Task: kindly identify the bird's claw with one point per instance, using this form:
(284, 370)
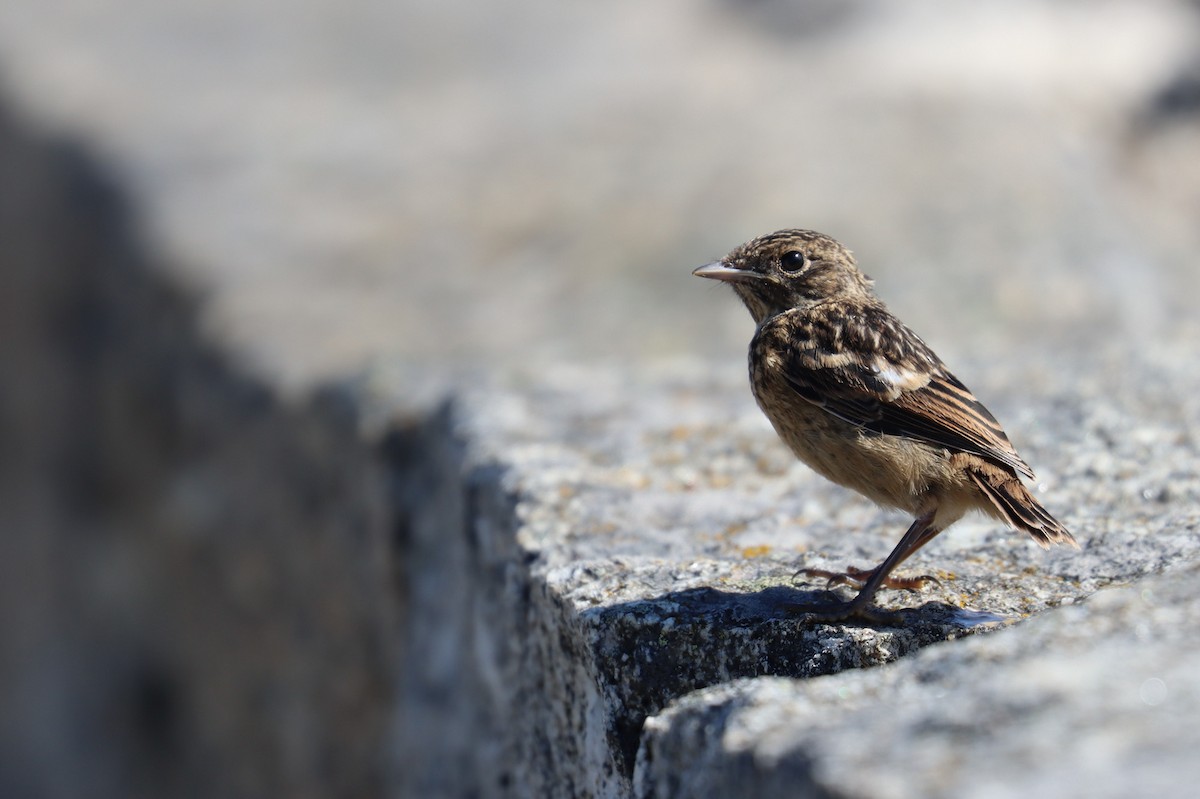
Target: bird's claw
(857, 578)
(845, 611)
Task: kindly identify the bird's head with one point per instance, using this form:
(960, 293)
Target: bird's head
(789, 269)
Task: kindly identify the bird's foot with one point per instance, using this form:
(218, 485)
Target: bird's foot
(857, 578)
(845, 611)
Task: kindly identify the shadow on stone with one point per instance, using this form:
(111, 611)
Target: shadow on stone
(653, 651)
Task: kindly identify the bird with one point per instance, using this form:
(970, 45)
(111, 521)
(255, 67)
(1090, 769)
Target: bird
(863, 401)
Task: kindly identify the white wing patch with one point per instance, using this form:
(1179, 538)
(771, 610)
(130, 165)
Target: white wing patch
(897, 378)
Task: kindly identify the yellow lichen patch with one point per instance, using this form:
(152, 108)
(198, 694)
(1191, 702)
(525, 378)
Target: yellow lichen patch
(632, 478)
(680, 433)
(755, 552)
(735, 528)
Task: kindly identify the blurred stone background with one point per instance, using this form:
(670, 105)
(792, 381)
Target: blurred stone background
(533, 180)
(196, 595)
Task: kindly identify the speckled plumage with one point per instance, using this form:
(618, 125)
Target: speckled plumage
(866, 403)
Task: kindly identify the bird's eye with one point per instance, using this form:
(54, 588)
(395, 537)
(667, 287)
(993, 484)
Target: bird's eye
(792, 261)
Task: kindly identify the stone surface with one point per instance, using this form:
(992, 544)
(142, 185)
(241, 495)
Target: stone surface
(356, 180)
(638, 532)
(199, 597)
(1094, 700)
(210, 590)
(194, 599)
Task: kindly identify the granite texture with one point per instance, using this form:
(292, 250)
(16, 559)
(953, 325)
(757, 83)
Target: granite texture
(529, 574)
(652, 525)
(1094, 700)
(194, 592)
(345, 178)
(524, 517)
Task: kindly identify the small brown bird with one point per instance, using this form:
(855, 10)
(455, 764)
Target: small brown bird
(862, 400)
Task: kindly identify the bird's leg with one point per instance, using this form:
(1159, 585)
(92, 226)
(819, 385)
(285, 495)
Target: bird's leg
(858, 578)
(920, 533)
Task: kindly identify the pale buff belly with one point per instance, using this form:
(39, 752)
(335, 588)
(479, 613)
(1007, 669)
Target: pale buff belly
(890, 470)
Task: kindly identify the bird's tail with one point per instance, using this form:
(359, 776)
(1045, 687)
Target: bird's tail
(1019, 508)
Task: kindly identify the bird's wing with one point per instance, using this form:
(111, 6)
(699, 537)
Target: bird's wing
(872, 371)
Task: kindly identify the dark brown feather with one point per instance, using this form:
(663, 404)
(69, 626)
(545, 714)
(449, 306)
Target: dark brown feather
(870, 370)
(1020, 509)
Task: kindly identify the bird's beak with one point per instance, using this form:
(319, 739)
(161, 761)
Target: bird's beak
(719, 270)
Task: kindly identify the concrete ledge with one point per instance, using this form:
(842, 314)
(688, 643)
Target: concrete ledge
(1095, 700)
(194, 593)
(206, 590)
(625, 538)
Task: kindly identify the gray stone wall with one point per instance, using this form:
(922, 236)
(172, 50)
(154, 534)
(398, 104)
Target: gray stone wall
(195, 596)
(568, 581)
(652, 526)
(452, 485)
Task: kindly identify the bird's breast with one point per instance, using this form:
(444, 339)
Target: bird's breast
(889, 470)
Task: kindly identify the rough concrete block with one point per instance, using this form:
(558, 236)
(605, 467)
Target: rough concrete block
(622, 538)
(193, 592)
(1094, 700)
